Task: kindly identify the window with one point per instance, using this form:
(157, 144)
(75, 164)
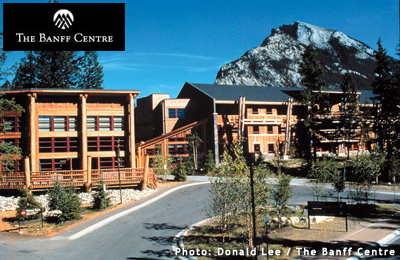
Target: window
(176, 113)
(257, 148)
(60, 123)
(92, 123)
(72, 123)
(255, 111)
(57, 164)
(57, 123)
(256, 129)
(44, 123)
(104, 123)
(11, 124)
(58, 144)
(118, 123)
(270, 129)
(271, 148)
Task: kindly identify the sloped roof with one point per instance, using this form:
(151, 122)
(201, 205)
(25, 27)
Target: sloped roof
(252, 93)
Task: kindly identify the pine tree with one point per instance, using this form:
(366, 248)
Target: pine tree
(386, 112)
(349, 113)
(8, 151)
(70, 205)
(91, 72)
(59, 69)
(209, 164)
(101, 199)
(315, 101)
(56, 195)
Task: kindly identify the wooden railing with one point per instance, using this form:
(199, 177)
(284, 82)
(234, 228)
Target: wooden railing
(12, 180)
(111, 176)
(46, 179)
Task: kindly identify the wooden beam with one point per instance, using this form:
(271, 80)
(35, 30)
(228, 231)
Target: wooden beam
(132, 131)
(34, 140)
(83, 116)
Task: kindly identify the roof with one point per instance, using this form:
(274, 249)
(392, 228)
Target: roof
(71, 91)
(252, 93)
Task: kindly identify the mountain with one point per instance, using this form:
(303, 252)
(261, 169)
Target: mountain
(277, 61)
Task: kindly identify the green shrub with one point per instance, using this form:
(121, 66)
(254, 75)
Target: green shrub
(209, 164)
(70, 205)
(56, 195)
(27, 201)
(180, 172)
(101, 198)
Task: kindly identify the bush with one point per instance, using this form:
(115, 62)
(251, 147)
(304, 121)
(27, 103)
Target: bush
(180, 172)
(56, 195)
(209, 165)
(101, 197)
(27, 201)
(70, 205)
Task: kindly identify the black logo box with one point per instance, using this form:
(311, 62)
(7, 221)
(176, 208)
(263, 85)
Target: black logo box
(100, 19)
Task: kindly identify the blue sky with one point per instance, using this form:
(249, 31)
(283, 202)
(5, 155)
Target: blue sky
(171, 42)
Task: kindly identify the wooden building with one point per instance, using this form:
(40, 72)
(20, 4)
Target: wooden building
(74, 134)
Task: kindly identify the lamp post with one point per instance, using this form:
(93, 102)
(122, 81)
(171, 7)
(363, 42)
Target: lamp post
(119, 173)
(251, 157)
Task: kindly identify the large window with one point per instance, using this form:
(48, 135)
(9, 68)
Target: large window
(58, 164)
(270, 129)
(256, 129)
(57, 123)
(176, 113)
(11, 123)
(105, 144)
(58, 144)
(105, 123)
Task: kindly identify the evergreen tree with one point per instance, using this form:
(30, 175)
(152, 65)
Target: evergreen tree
(91, 72)
(209, 164)
(59, 69)
(180, 172)
(8, 151)
(315, 101)
(349, 113)
(386, 112)
(56, 195)
(101, 198)
(70, 205)
(27, 201)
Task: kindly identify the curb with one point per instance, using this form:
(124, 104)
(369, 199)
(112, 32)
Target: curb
(177, 242)
(124, 213)
(389, 238)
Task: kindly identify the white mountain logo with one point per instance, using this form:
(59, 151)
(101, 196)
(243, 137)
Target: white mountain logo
(63, 18)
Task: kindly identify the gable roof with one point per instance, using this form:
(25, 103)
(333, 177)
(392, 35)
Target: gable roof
(252, 93)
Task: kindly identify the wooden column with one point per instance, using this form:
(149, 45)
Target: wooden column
(132, 152)
(83, 116)
(89, 174)
(33, 137)
(146, 173)
(27, 173)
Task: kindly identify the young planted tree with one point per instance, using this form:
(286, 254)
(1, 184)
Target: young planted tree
(159, 162)
(70, 205)
(101, 199)
(280, 194)
(315, 101)
(27, 201)
(209, 164)
(56, 195)
(194, 143)
(180, 172)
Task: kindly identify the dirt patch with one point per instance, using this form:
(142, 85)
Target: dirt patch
(168, 183)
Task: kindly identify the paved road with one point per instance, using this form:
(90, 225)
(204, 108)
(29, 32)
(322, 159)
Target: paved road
(144, 234)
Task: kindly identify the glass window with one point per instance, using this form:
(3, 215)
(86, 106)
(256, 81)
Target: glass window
(72, 123)
(180, 113)
(257, 148)
(44, 123)
(118, 123)
(91, 123)
(9, 124)
(45, 145)
(172, 113)
(60, 123)
(270, 129)
(104, 123)
(271, 148)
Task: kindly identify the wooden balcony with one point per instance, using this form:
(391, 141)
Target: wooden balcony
(80, 178)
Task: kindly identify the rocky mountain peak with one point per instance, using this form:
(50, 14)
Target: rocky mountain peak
(277, 60)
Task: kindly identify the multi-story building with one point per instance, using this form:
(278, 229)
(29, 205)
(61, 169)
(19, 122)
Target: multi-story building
(267, 118)
(75, 134)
